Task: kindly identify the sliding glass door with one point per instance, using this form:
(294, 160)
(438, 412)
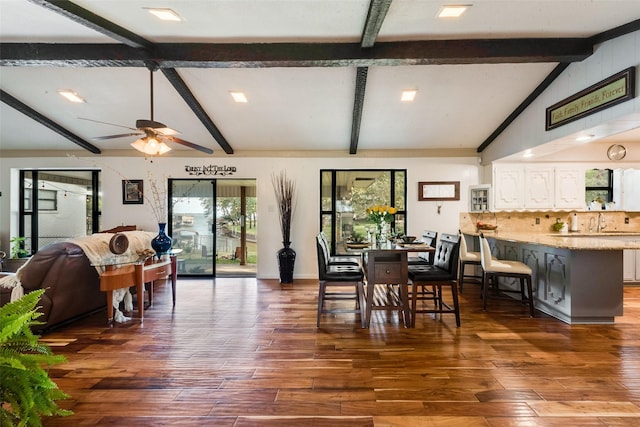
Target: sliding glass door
(213, 223)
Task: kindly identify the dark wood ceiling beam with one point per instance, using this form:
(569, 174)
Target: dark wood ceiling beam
(202, 55)
(358, 105)
(33, 114)
(89, 19)
(181, 87)
(377, 12)
(627, 28)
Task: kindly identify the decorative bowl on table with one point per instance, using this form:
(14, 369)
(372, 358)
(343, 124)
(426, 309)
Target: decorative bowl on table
(408, 239)
(357, 245)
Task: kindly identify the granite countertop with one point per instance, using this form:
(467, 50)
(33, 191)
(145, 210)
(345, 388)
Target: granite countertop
(578, 241)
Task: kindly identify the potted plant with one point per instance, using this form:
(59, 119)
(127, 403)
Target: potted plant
(285, 191)
(17, 248)
(27, 392)
(18, 254)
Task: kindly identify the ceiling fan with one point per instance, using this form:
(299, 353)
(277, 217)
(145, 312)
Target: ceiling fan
(153, 133)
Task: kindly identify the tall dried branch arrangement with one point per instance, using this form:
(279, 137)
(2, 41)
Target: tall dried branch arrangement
(285, 190)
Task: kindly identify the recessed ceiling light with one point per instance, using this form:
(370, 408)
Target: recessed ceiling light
(239, 97)
(164, 13)
(527, 153)
(452, 10)
(583, 138)
(408, 95)
(70, 95)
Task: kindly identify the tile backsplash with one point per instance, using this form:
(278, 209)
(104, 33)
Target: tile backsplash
(542, 221)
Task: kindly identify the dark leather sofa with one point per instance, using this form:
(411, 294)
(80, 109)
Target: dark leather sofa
(72, 285)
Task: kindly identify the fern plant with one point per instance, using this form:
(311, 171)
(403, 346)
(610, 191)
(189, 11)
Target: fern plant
(26, 391)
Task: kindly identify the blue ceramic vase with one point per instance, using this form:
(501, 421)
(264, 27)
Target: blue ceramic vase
(161, 243)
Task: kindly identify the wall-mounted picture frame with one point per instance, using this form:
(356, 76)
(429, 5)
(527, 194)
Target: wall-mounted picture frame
(132, 191)
(439, 190)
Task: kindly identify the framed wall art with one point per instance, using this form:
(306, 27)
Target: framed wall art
(439, 190)
(132, 192)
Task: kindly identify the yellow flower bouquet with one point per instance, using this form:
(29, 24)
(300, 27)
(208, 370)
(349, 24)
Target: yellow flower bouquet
(380, 214)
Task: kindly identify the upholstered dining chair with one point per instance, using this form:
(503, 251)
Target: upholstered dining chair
(493, 269)
(442, 273)
(335, 259)
(345, 276)
(429, 238)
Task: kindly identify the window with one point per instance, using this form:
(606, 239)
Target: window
(345, 196)
(599, 186)
(47, 200)
(57, 205)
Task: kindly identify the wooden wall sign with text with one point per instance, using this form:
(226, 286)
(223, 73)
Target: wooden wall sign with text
(611, 91)
(210, 170)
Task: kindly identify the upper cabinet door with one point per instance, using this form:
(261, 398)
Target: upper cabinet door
(570, 188)
(508, 186)
(539, 188)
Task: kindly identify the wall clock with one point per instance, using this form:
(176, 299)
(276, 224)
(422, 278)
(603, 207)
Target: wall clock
(616, 152)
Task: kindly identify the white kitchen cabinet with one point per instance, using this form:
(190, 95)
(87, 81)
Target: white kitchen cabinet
(508, 184)
(631, 265)
(570, 188)
(630, 190)
(539, 187)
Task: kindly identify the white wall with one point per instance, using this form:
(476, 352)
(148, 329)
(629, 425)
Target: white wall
(304, 171)
(528, 130)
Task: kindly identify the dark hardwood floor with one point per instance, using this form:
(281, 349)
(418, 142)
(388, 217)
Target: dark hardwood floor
(244, 352)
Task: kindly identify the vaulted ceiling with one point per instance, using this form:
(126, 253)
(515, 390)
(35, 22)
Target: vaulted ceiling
(322, 77)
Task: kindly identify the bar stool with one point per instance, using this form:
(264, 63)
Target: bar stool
(467, 258)
(493, 269)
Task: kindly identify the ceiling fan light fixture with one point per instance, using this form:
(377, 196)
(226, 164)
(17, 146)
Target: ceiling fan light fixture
(151, 146)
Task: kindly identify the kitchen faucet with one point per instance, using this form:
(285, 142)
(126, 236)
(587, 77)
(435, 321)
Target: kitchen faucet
(601, 222)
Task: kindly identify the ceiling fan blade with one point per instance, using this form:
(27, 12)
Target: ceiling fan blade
(106, 123)
(189, 144)
(158, 127)
(117, 136)
(167, 131)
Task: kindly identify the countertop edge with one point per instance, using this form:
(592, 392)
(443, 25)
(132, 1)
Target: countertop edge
(601, 241)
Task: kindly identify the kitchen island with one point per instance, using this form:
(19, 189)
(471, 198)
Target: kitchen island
(577, 278)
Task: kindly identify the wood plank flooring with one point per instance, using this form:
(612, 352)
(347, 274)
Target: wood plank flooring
(246, 352)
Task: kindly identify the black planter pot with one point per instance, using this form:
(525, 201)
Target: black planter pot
(286, 262)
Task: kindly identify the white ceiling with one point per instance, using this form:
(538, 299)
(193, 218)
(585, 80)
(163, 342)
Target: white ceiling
(290, 108)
